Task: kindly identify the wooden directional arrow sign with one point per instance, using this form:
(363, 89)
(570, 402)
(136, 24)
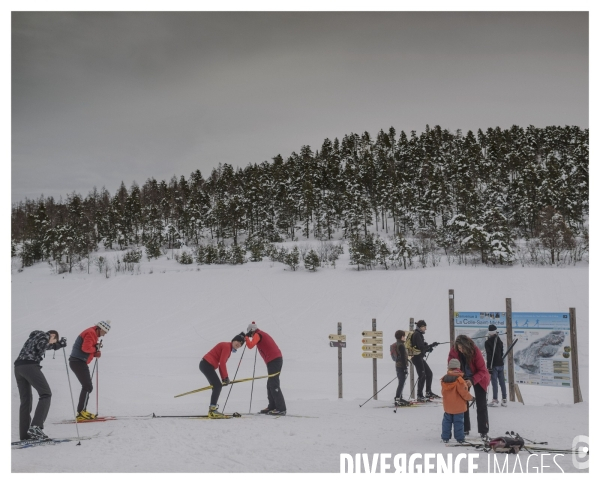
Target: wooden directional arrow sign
(373, 341)
(372, 348)
(337, 337)
(372, 355)
(373, 333)
(337, 344)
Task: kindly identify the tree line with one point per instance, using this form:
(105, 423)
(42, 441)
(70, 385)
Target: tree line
(467, 196)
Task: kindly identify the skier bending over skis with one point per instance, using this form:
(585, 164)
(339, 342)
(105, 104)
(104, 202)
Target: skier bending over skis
(85, 348)
(217, 358)
(28, 373)
(271, 354)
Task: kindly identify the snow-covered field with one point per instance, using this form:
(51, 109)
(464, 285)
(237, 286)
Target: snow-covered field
(166, 316)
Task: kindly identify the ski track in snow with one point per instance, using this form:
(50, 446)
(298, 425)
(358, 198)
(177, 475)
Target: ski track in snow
(164, 322)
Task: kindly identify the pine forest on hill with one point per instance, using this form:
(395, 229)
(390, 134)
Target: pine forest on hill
(497, 197)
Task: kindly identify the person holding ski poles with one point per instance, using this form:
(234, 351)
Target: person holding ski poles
(217, 359)
(271, 355)
(494, 349)
(85, 349)
(423, 371)
(28, 373)
(400, 356)
(477, 376)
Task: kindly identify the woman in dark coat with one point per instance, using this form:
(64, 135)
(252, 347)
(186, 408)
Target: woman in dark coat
(477, 376)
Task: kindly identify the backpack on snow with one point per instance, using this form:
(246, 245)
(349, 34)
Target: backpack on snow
(411, 350)
(507, 445)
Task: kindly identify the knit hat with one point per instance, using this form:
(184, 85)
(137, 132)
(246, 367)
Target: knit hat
(421, 323)
(239, 338)
(251, 327)
(491, 327)
(105, 325)
(454, 364)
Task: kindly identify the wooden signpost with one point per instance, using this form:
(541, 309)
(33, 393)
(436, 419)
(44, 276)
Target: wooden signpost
(373, 348)
(338, 341)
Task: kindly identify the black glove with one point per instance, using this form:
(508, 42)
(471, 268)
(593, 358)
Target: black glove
(242, 334)
(62, 342)
(430, 348)
(433, 345)
(225, 381)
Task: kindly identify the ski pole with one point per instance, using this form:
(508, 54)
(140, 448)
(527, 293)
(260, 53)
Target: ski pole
(510, 348)
(97, 386)
(236, 372)
(378, 391)
(252, 390)
(71, 392)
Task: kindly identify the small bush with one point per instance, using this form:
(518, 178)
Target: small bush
(132, 256)
(186, 258)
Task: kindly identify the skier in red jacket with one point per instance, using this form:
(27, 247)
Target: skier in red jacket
(85, 349)
(271, 353)
(217, 359)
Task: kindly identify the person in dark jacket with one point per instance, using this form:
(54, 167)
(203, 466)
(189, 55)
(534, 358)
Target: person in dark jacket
(271, 354)
(423, 371)
(477, 376)
(217, 359)
(400, 356)
(85, 349)
(494, 349)
(28, 373)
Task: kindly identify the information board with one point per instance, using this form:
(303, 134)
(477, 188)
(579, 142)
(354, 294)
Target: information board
(542, 355)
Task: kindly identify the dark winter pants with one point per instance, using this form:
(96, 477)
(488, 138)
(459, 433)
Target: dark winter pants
(211, 375)
(482, 411)
(276, 400)
(424, 373)
(82, 372)
(401, 379)
(31, 376)
(498, 375)
(459, 426)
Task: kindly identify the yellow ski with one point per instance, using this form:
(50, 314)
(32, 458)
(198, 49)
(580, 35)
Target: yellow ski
(231, 383)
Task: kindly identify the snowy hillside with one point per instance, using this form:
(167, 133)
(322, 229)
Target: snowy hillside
(166, 316)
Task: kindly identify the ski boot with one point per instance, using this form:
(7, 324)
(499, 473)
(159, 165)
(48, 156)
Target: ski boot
(214, 413)
(493, 403)
(265, 410)
(445, 441)
(504, 404)
(36, 433)
(432, 395)
(277, 413)
(484, 437)
(423, 399)
(400, 402)
(85, 415)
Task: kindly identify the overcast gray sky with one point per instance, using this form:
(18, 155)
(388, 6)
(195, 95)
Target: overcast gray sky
(100, 98)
